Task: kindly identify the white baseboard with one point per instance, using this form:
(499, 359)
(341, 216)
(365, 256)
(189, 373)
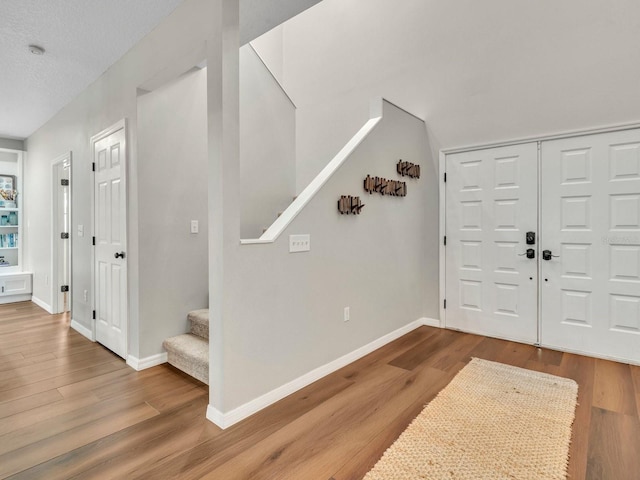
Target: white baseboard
(42, 304)
(146, 362)
(15, 299)
(225, 420)
(82, 330)
(430, 322)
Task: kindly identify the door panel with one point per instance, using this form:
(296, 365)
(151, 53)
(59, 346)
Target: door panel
(110, 233)
(590, 291)
(491, 204)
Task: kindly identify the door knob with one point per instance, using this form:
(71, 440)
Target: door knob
(119, 255)
(530, 253)
(546, 255)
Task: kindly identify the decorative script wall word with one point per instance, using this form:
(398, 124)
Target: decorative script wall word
(408, 169)
(348, 204)
(383, 186)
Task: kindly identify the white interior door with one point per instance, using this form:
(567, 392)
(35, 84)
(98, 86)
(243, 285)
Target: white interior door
(590, 290)
(110, 269)
(491, 203)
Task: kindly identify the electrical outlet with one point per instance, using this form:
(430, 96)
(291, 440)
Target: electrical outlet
(347, 313)
(194, 226)
(299, 243)
(81, 230)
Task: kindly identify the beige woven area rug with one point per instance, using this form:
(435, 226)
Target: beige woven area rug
(493, 421)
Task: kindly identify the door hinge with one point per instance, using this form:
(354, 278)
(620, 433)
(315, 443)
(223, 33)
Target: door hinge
(64, 182)
(94, 241)
(445, 177)
(94, 314)
(445, 240)
(64, 235)
(445, 303)
(64, 288)
(93, 167)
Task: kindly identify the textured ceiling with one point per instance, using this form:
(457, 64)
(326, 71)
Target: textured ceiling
(80, 44)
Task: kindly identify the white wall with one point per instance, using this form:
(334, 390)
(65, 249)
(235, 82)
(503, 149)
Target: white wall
(11, 143)
(270, 47)
(172, 159)
(287, 309)
(267, 146)
(8, 163)
(180, 39)
(477, 72)
(112, 97)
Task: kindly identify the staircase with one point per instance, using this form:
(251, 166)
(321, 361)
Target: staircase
(189, 352)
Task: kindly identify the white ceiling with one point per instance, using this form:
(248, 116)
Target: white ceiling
(82, 39)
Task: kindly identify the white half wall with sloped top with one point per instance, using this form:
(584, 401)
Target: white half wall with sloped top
(284, 311)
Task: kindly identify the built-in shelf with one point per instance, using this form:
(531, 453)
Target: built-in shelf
(15, 284)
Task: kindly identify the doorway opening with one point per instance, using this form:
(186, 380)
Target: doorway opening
(61, 278)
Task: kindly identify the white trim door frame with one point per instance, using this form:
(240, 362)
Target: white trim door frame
(545, 240)
(59, 245)
(110, 326)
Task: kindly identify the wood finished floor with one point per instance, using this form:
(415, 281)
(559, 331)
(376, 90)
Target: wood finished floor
(71, 409)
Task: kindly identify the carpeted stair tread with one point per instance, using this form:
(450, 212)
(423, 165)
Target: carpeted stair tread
(189, 353)
(199, 321)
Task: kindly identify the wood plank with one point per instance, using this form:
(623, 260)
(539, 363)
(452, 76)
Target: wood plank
(50, 383)
(27, 374)
(424, 350)
(613, 388)
(227, 444)
(36, 416)
(635, 375)
(582, 370)
(360, 463)
(109, 421)
(614, 443)
(147, 442)
(329, 435)
(516, 354)
(386, 353)
(53, 446)
(546, 356)
(13, 407)
(488, 349)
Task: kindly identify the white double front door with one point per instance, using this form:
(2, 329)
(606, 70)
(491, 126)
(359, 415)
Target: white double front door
(578, 289)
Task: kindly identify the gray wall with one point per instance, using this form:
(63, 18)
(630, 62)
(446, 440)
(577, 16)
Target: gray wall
(267, 146)
(180, 39)
(477, 72)
(172, 160)
(287, 309)
(11, 143)
(112, 97)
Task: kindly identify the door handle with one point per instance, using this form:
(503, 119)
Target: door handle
(530, 253)
(546, 255)
(119, 255)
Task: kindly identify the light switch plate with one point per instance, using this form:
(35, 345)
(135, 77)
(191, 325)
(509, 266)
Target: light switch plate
(299, 243)
(194, 226)
(81, 230)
